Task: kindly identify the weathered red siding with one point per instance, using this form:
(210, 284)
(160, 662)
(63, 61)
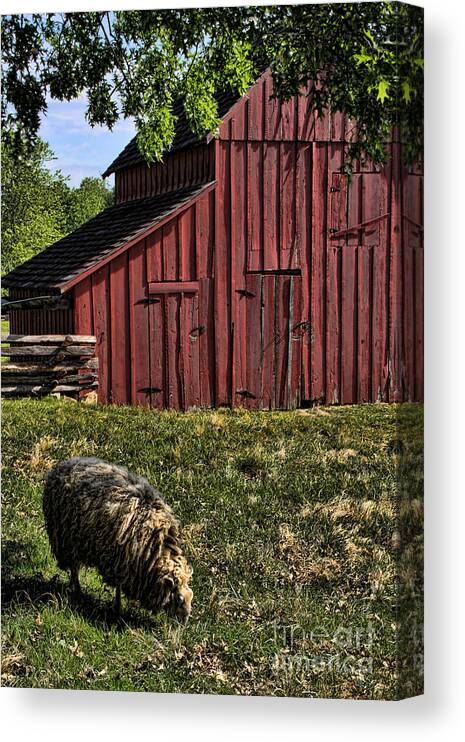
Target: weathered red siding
(285, 208)
(286, 284)
(181, 169)
(36, 321)
(151, 310)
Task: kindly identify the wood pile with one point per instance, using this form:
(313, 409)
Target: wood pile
(49, 364)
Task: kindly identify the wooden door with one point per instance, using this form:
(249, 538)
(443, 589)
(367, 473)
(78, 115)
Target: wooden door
(267, 341)
(181, 338)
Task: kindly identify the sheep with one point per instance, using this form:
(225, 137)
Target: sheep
(101, 515)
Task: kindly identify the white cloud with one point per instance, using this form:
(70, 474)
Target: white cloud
(81, 150)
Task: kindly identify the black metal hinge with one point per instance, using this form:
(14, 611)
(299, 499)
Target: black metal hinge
(149, 389)
(244, 292)
(334, 189)
(245, 393)
(148, 301)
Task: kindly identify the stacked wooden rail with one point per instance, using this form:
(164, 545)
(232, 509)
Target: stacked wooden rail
(49, 364)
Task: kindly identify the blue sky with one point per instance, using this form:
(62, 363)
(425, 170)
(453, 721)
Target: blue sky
(80, 150)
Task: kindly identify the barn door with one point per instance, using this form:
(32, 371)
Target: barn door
(357, 298)
(180, 329)
(267, 341)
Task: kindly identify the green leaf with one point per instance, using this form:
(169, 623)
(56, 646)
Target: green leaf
(362, 58)
(406, 92)
(370, 36)
(383, 87)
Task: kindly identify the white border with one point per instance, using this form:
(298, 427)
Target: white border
(38, 715)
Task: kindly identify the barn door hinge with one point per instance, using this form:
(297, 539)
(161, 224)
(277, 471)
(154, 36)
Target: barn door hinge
(148, 389)
(200, 329)
(245, 292)
(334, 189)
(148, 301)
(245, 393)
(300, 329)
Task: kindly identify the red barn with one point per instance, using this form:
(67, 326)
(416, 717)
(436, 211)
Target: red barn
(245, 269)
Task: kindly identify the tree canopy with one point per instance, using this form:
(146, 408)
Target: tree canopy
(367, 58)
(38, 206)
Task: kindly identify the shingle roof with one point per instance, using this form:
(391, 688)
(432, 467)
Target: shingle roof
(183, 136)
(84, 248)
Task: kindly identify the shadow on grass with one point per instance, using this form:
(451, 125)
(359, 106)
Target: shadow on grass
(35, 591)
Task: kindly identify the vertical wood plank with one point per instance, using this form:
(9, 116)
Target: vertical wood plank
(303, 255)
(373, 203)
(271, 206)
(253, 341)
(333, 295)
(282, 314)
(189, 342)
(139, 326)
(222, 276)
(83, 320)
(365, 308)
(155, 256)
(380, 282)
(170, 251)
(418, 252)
(187, 246)
(273, 120)
(239, 120)
(395, 283)
(239, 206)
(349, 325)
(205, 234)
(120, 344)
(206, 343)
(102, 332)
(255, 206)
(306, 119)
(296, 335)
(355, 210)
(173, 351)
(318, 273)
(256, 111)
(158, 345)
(337, 123)
(408, 323)
(289, 120)
(380, 368)
(287, 242)
(267, 324)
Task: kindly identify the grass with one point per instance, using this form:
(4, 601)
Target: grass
(5, 331)
(306, 552)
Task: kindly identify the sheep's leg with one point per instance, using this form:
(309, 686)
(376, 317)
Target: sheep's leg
(74, 581)
(117, 603)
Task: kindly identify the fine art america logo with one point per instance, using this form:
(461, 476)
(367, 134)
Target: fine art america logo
(348, 650)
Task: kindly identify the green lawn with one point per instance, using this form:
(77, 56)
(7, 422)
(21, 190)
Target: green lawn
(306, 552)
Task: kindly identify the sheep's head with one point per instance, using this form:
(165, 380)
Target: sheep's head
(181, 603)
(178, 600)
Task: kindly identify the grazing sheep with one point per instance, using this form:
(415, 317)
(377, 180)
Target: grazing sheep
(101, 515)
